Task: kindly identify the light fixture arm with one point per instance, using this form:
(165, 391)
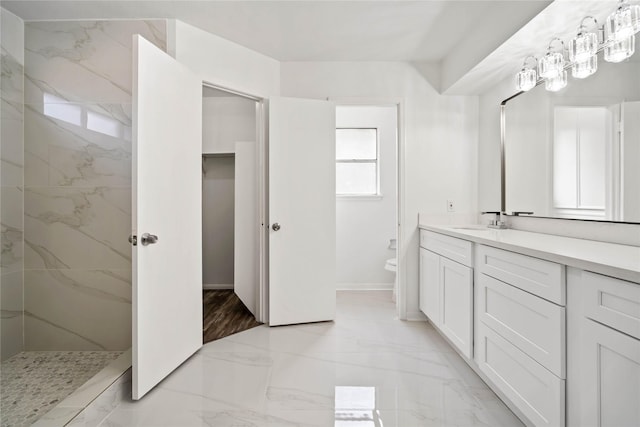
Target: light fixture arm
(583, 27)
(556, 39)
(535, 62)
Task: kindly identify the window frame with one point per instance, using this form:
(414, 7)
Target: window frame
(372, 196)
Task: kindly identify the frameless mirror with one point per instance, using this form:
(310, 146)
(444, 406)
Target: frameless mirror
(576, 153)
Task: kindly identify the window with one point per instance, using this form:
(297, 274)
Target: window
(581, 141)
(356, 162)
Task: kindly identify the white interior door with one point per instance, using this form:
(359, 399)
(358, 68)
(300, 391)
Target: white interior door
(246, 226)
(167, 203)
(302, 211)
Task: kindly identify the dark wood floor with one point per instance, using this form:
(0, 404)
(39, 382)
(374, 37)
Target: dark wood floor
(224, 315)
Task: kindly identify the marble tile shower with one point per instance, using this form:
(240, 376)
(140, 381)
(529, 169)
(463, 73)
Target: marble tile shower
(77, 182)
(12, 187)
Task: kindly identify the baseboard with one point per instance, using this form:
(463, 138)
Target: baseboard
(416, 315)
(364, 286)
(216, 286)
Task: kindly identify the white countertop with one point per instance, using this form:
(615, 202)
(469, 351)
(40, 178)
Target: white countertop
(611, 259)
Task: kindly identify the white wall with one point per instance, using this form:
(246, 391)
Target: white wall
(218, 221)
(440, 134)
(222, 62)
(227, 120)
(365, 225)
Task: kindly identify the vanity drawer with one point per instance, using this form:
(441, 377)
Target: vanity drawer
(534, 325)
(613, 302)
(533, 389)
(449, 247)
(542, 278)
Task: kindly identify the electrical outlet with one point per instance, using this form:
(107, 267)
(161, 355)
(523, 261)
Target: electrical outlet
(450, 207)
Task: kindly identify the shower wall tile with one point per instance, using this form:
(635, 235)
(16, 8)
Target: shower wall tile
(11, 125)
(77, 309)
(11, 314)
(12, 149)
(11, 115)
(12, 34)
(12, 238)
(81, 228)
(85, 61)
(60, 153)
(12, 182)
(77, 173)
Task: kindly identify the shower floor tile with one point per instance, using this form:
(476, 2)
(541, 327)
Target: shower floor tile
(33, 382)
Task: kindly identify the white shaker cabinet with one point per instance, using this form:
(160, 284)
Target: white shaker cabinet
(520, 331)
(430, 285)
(456, 304)
(604, 350)
(446, 287)
(558, 343)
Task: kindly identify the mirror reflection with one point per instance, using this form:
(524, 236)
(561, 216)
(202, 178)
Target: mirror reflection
(576, 153)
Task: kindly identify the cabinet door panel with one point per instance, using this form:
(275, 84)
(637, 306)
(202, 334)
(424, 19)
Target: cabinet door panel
(534, 325)
(456, 309)
(453, 248)
(608, 377)
(429, 285)
(612, 302)
(537, 392)
(539, 277)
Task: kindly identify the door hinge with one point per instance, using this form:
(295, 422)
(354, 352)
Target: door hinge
(133, 239)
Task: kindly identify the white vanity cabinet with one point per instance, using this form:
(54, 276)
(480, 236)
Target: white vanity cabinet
(446, 287)
(520, 336)
(430, 285)
(555, 335)
(603, 385)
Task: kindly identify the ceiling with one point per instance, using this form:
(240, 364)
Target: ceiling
(416, 31)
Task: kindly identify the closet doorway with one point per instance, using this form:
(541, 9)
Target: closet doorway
(230, 212)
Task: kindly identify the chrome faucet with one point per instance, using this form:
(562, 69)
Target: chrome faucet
(498, 222)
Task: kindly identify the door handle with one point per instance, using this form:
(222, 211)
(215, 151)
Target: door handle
(275, 226)
(148, 239)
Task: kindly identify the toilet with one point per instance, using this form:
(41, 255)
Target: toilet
(391, 265)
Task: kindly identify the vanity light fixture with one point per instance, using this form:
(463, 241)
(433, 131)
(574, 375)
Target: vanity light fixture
(623, 23)
(618, 44)
(583, 51)
(527, 78)
(557, 82)
(552, 64)
(618, 51)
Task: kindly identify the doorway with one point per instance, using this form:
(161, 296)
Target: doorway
(230, 216)
(367, 198)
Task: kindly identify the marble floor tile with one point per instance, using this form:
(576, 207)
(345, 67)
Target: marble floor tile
(364, 369)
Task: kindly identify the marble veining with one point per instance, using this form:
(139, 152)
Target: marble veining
(84, 228)
(12, 188)
(101, 314)
(86, 61)
(337, 373)
(77, 181)
(63, 153)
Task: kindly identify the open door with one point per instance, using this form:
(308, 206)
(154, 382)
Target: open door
(246, 226)
(167, 215)
(302, 211)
